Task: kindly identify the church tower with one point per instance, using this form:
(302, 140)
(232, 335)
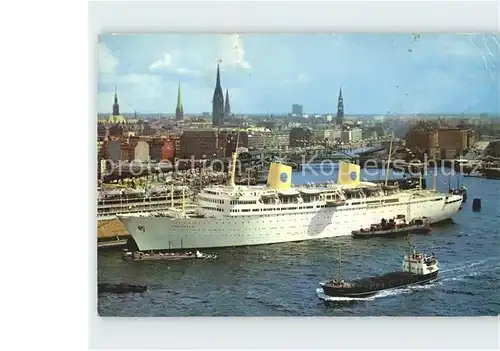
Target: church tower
(116, 106)
(340, 109)
(179, 110)
(218, 102)
(227, 106)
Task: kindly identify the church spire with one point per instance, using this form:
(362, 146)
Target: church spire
(217, 82)
(218, 101)
(179, 109)
(340, 108)
(227, 106)
(116, 106)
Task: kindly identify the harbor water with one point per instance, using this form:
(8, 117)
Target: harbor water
(282, 279)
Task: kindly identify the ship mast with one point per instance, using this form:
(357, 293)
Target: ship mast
(435, 180)
(201, 178)
(233, 161)
(183, 199)
(388, 162)
(172, 196)
(420, 180)
(408, 238)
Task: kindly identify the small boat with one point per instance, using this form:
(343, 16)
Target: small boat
(417, 268)
(166, 256)
(393, 227)
(121, 288)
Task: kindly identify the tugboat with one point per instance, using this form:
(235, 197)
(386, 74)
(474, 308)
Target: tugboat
(121, 288)
(417, 268)
(165, 256)
(394, 227)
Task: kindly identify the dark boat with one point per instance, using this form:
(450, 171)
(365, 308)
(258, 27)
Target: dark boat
(121, 288)
(417, 268)
(394, 227)
(165, 256)
(459, 190)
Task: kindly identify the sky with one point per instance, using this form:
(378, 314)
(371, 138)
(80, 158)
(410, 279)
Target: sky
(267, 73)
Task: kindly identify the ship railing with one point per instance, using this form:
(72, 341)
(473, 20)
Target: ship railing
(134, 208)
(107, 208)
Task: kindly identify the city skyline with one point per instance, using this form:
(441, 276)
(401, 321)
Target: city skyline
(379, 74)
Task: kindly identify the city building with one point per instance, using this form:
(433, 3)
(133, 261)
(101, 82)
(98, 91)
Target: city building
(113, 150)
(117, 123)
(297, 110)
(168, 150)
(438, 142)
(179, 109)
(301, 137)
(452, 142)
(146, 129)
(345, 136)
(102, 131)
(218, 102)
(356, 135)
(102, 151)
(492, 149)
(340, 109)
(262, 140)
(141, 151)
(333, 135)
(156, 148)
(126, 150)
(210, 143)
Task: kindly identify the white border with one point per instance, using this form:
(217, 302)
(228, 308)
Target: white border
(297, 332)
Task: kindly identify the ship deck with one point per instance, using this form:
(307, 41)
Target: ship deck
(382, 279)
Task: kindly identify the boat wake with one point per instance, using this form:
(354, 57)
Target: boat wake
(384, 293)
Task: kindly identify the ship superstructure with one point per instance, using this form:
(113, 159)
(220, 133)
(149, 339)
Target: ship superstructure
(279, 212)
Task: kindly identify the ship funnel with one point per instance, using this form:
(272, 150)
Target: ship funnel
(279, 177)
(349, 174)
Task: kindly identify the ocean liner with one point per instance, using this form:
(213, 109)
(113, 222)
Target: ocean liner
(279, 212)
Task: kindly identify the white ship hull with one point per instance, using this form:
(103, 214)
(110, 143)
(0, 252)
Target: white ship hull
(162, 233)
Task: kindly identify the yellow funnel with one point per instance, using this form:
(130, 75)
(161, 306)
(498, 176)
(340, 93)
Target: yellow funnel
(280, 176)
(349, 174)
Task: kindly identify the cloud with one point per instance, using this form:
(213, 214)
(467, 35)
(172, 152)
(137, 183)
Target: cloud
(106, 62)
(300, 78)
(166, 61)
(131, 86)
(188, 71)
(200, 58)
(303, 78)
(232, 53)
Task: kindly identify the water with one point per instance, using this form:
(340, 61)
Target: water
(282, 279)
